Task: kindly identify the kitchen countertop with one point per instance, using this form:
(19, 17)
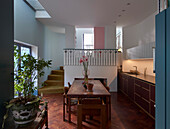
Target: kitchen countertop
(147, 78)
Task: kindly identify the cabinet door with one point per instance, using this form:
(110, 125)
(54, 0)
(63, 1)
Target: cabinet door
(131, 88)
(125, 82)
(120, 82)
(142, 94)
(142, 103)
(152, 110)
(152, 92)
(142, 88)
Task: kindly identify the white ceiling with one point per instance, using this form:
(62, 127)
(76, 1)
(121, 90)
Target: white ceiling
(91, 13)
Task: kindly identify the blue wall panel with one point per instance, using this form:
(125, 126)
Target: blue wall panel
(6, 54)
(168, 68)
(160, 70)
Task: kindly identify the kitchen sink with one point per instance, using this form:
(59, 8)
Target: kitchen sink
(134, 73)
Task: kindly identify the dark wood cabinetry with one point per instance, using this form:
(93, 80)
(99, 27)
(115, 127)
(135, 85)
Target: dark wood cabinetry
(140, 92)
(131, 88)
(152, 100)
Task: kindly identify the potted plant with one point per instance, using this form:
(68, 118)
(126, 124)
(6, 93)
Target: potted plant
(27, 70)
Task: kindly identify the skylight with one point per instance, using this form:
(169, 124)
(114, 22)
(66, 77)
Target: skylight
(40, 11)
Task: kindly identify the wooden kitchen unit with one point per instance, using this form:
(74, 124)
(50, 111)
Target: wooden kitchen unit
(140, 89)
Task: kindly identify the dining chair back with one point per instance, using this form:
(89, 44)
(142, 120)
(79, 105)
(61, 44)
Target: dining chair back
(91, 107)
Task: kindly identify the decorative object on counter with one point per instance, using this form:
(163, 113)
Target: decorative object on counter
(145, 71)
(120, 68)
(86, 72)
(90, 87)
(134, 72)
(27, 70)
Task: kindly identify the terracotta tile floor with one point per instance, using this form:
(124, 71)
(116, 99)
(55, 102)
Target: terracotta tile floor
(125, 115)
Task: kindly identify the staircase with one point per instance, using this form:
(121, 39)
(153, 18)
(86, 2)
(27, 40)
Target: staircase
(55, 82)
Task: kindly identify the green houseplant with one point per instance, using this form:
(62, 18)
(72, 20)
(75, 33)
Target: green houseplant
(27, 70)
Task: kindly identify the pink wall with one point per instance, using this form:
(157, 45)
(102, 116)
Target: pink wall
(99, 37)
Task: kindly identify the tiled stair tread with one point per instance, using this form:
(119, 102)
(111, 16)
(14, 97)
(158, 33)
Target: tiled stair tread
(58, 71)
(55, 82)
(51, 88)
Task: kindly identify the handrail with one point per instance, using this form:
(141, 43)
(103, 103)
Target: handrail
(88, 49)
(96, 57)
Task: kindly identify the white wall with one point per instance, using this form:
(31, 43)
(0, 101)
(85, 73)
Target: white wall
(69, 37)
(79, 36)
(54, 43)
(110, 37)
(109, 72)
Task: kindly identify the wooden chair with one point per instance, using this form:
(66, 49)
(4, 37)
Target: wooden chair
(91, 107)
(74, 101)
(107, 87)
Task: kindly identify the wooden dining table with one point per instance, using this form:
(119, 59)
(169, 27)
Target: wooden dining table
(99, 91)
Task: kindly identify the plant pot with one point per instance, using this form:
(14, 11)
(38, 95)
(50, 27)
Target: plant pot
(90, 87)
(24, 114)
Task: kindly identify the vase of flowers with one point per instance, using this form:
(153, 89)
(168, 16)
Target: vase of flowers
(85, 62)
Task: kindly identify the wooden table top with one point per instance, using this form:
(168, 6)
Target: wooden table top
(77, 89)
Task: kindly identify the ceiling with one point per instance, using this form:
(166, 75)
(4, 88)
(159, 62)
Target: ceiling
(91, 13)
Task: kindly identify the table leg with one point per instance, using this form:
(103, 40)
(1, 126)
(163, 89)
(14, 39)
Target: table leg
(109, 107)
(69, 109)
(107, 111)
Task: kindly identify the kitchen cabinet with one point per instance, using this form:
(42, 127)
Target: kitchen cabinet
(120, 81)
(123, 83)
(142, 94)
(143, 51)
(139, 91)
(152, 100)
(131, 88)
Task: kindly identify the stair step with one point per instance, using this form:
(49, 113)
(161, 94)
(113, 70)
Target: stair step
(61, 68)
(51, 89)
(54, 83)
(55, 77)
(57, 72)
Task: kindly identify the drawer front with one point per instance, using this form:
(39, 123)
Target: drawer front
(145, 94)
(152, 111)
(152, 92)
(142, 92)
(131, 95)
(142, 84)
(141, 102)
(138, 89)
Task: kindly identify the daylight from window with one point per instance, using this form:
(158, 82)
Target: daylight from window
(88, 41)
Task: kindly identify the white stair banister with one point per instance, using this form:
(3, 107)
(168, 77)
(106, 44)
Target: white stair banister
(97, 57)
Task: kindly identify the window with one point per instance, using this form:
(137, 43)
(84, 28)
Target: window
(88, 41)
(119, 38)
(23, 49)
